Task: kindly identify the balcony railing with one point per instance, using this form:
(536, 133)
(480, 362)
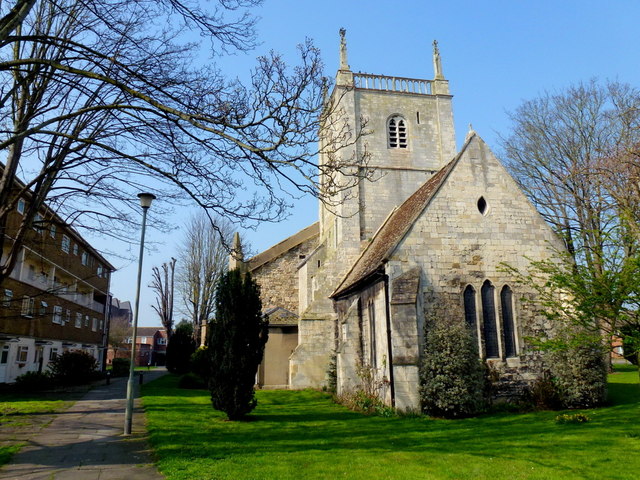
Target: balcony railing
(392, 84)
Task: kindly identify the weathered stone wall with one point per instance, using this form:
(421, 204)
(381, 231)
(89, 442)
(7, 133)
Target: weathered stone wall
(278, 278)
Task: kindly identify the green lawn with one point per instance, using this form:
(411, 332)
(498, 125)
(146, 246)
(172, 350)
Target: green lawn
(303, 435)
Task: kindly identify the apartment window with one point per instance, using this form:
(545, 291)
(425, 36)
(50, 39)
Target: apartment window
(78, 320)
(4, 355)
(43, 308)
(21, 206)
(84, 258)
(101, 325)
(68, 317)
(99, 271)
(66, 244)
(52, 231)
(94, 324)
(162, 341)
(7, 297)
(22, 354)
(397, 132)
(37, 223)
(86, 320)
(57, 314)
(28, 304)
(53, 354)
(75, 249)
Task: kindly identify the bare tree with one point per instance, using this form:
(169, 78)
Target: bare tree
(103, 98)
(203, 258)
(163, 284)
(120, 332)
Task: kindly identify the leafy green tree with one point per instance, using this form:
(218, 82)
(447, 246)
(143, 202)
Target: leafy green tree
(235, 342)
(452, 375)
(180, 348)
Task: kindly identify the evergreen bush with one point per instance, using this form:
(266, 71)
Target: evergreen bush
(120, 367)
(74, 367)
(34, 382)
(579, 372)
(631, 342)
(235, 344)
(179, 350)
(452, 375)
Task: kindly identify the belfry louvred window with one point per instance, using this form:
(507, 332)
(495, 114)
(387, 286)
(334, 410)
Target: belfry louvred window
(397, 132)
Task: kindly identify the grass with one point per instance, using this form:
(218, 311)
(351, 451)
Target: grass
(23, 414)
(303, 435)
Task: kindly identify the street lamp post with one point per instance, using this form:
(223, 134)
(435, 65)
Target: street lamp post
(145, 203)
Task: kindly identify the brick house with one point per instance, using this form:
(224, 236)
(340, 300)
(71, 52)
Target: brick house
(55, 298)
(151, 346)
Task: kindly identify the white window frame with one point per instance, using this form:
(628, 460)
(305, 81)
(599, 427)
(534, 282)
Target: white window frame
(43, 307)
(78, 320)
(94, 324)
(84, 258)
(75, 249)
(52, 231)
(68, 317)
(53, 354)
(22, 354)
(21, 206)
(57, 315)
(65, 244)
(28, 305)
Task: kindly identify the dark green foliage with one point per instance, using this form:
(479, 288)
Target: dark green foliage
(200, 362)
(120, 367)
(631, 342)
(74, 367)
(579, 373)
(235, 344)
(192, 381)
(179, 350)
(34, 382)
(452, 375)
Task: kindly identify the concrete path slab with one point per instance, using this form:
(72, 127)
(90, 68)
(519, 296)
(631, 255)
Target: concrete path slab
(86, 442)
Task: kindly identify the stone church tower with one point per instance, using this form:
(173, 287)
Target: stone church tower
(410, 135)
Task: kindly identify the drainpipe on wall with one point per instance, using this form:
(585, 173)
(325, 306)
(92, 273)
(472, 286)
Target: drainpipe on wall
(389, 343)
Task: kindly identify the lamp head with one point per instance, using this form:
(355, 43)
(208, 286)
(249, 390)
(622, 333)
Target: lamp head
(146, 199)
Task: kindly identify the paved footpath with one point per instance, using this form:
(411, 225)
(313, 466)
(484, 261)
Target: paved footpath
(86, 442)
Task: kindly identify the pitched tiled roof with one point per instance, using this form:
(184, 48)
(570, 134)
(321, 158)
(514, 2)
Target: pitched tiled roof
(281, 316)
(394, 229)
(147, 331)
(284, 246)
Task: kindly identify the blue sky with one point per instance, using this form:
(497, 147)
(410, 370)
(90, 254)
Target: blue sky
(495, 54)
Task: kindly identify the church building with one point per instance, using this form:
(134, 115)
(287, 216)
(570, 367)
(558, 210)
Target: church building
(422, 241)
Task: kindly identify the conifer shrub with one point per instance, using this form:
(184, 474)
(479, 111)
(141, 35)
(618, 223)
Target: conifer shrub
(579, 372)
(235, 343)
(452, 375)
(179, 350)
(74, 367)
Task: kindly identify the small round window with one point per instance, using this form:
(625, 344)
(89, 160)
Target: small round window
(483, 207)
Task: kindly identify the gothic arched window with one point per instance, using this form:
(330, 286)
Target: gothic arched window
(508, 326)
(397, 132)
(470, 308)
(489, 321)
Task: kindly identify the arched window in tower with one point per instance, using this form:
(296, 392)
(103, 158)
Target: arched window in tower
(470, 308)
(489, 321)
(397, 132)
(508, 326)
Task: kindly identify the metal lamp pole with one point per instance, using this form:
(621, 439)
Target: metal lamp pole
(145, 203)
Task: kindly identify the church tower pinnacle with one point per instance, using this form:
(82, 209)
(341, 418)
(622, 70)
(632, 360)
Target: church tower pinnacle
(345, 76)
